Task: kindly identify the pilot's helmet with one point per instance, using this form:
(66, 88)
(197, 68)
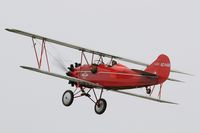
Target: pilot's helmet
(114, 62)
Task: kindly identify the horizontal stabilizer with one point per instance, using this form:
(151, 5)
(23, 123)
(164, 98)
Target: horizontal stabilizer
(175, 80)
(76, 80)
(176, 71)
(144, 97)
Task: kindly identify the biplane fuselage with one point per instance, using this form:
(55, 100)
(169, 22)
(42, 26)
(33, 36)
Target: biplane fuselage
(116, 77)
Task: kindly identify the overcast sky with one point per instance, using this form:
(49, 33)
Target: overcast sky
(136, 29)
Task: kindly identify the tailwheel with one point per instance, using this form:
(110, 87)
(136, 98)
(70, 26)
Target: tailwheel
(148, 91)
(68, 98)
(100, 106)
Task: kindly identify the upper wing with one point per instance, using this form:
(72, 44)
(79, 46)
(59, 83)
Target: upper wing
(144, 97)
(76, 80)
(83, 49)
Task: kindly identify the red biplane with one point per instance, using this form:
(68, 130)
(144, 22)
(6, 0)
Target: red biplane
(112, 76)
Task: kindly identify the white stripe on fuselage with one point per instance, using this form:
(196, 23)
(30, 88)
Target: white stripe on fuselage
(138, 75)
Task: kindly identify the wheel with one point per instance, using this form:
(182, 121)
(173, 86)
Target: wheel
(100, 106)
(68, 98)
(148, 91)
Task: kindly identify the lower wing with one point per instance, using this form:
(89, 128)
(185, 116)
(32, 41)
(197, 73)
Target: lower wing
(93, 85)
(76, 80)
(144, 97)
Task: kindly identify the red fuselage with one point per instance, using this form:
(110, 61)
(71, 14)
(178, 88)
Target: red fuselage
(115, 77)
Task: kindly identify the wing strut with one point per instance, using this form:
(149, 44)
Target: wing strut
(43, 50)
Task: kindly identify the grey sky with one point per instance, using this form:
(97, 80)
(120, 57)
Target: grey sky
(134, 29)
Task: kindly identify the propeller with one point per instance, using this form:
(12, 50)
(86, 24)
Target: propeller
(58, 61)
(69, 73)
(61, 65)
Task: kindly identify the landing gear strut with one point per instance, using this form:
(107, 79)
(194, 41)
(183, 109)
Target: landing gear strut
(100, 103)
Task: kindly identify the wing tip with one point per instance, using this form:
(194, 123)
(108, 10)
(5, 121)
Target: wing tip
(10, 30)
(7, 29)
(168, 102)
(24, 67)
(30, 68)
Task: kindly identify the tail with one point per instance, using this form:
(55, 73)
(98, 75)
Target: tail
(161, 67)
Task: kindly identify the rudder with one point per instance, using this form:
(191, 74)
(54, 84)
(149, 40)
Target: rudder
(161, 67)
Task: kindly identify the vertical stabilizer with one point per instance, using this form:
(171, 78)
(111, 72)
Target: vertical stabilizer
(161, 67)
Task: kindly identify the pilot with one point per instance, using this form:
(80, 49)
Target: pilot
(114, 62)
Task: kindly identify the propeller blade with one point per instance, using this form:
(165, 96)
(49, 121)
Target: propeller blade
(58, 62)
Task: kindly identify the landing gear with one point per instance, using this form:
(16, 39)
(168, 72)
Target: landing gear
(100, 106)
(148, 91)
(68, 98)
